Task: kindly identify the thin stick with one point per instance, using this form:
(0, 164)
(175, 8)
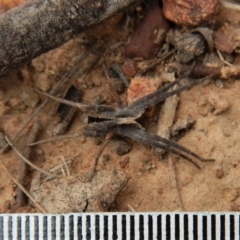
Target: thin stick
(80, 106)
(64, 79)
(22, 188)
(176, 183)
(65, 165)
(56, 138)
(131, 208)
(27, 161)
(165, 122)
(156, 62)
(222, 59)
(21, 197)
(62, 168)
(58, 166)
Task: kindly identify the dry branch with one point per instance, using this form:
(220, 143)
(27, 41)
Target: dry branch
(38, 26)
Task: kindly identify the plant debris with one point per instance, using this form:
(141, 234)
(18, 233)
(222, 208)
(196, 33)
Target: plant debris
(142, 101)
(190, 12)
(76, 194)
(148, 38)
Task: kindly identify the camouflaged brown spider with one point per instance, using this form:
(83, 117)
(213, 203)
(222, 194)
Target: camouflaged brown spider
(123, 120)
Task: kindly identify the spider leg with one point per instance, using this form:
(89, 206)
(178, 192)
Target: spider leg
(180, 148)
(67, 102)
(97, 111)
(157, 97)
(144, 137)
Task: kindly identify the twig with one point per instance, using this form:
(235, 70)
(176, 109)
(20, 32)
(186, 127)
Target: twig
(21, 197)
(155, 62)
(54, 139)
(58, 166)
(65, 165)
(222, 59)
(60, 21)
(199, 70)
(176, 183)
(27, 161)
(64, 79)
(22, 188)
(166, 119)
(131, 208)
(74, 94)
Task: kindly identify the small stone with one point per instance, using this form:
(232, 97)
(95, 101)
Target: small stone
(123, 148)
(190, 12)
(230, 194)
(129, 68)
(218, 103)
(182, 124)
(219, 173)
(140, 87)
(149, 35)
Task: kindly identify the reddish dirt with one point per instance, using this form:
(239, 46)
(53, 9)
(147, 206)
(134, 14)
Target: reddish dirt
(216, 187)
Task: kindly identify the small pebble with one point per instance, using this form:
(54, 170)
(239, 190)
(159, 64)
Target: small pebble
(218, 103)
(123, 148)
(140, 87)
(149, 35)
(230, 194)
(182, 124)
(190, 12)
(219, 173)
(129, 68)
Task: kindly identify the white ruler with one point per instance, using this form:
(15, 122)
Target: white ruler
(94, 226)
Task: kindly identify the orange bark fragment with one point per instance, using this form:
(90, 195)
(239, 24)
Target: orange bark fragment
(6, 5)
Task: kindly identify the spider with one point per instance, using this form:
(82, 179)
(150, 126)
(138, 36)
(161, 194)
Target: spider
(123, 120)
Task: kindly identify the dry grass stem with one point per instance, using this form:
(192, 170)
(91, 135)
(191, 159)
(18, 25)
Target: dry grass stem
(22, 188)
(27, 161)
(176, 183)
(56, 138)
